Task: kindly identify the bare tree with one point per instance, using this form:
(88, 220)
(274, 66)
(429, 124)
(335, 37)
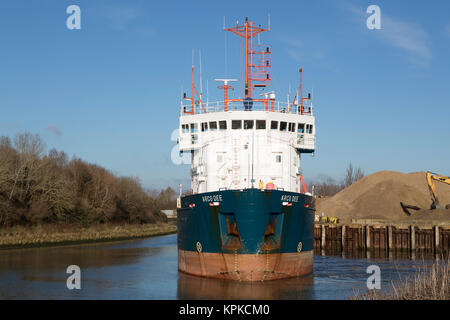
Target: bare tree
(29, 144)
(352, 175)
(348, 180)
(325, 186)
(6, 159)
(359, 174)
(36, 187)
(168, 198)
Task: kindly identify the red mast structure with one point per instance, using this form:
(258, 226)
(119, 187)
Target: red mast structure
(191, 99)
(257, 74)
(300, 88)
(256, 68)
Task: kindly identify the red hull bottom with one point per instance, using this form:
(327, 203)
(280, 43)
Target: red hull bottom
(246, 267)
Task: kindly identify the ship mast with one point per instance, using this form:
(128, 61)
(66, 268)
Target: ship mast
(256, 69)
(300, 88)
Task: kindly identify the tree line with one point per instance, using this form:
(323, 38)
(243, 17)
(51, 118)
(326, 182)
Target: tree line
(38, 187)
(327, 186)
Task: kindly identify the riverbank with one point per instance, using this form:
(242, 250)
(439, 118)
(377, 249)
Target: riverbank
(431, 283)
(56, 235)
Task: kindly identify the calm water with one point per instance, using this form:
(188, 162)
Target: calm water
(147, 269)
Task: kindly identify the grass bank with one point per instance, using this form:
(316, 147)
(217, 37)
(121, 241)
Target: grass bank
(432, 283)
(54, 235)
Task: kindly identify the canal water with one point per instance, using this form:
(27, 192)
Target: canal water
(147, 269)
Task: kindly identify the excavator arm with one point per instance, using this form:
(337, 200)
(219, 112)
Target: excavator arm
(431, 178)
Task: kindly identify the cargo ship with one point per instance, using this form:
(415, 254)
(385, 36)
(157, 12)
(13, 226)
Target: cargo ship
(248, 215)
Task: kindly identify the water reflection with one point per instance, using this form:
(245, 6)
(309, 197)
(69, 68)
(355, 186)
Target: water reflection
(52, 259)
(192, 288)
(380, 254)
(120, 270)
(147, 269)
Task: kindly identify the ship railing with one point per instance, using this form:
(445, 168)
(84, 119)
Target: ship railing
(304, 141)
(244, 105)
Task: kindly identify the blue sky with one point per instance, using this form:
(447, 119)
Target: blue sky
(109, 93)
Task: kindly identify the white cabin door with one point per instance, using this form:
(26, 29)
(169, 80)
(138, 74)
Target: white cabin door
(277, 158)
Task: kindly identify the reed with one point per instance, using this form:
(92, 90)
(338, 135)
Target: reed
(428, 283)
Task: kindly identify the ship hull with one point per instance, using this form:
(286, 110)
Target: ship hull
(246, 235)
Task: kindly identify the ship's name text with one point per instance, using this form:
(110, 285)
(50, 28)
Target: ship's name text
(212, 198)
(287, 197)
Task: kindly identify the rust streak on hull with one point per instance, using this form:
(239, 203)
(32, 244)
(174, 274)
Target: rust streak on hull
(246, 267)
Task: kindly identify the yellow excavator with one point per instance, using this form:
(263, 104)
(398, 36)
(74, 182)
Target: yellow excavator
(431, 178)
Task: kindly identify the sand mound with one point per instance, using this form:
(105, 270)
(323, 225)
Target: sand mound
(378, 196)
(436, 214)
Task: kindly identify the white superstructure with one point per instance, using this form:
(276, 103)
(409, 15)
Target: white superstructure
(244, 149)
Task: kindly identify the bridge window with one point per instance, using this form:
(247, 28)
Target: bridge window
(194, 127)
(222, 125)
(283, 126)
(248, 124)
(213, 125)
(185, 128)
(301, 128)
(291, 127)
(309, 128)
(260, 124)
(236, 124)
(204, 126)
(274, 125)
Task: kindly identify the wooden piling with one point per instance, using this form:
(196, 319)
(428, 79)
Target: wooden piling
(378, 237)
(367, 237)
(343, 237)
(323, 241)
(436, 239)
(389, 242)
